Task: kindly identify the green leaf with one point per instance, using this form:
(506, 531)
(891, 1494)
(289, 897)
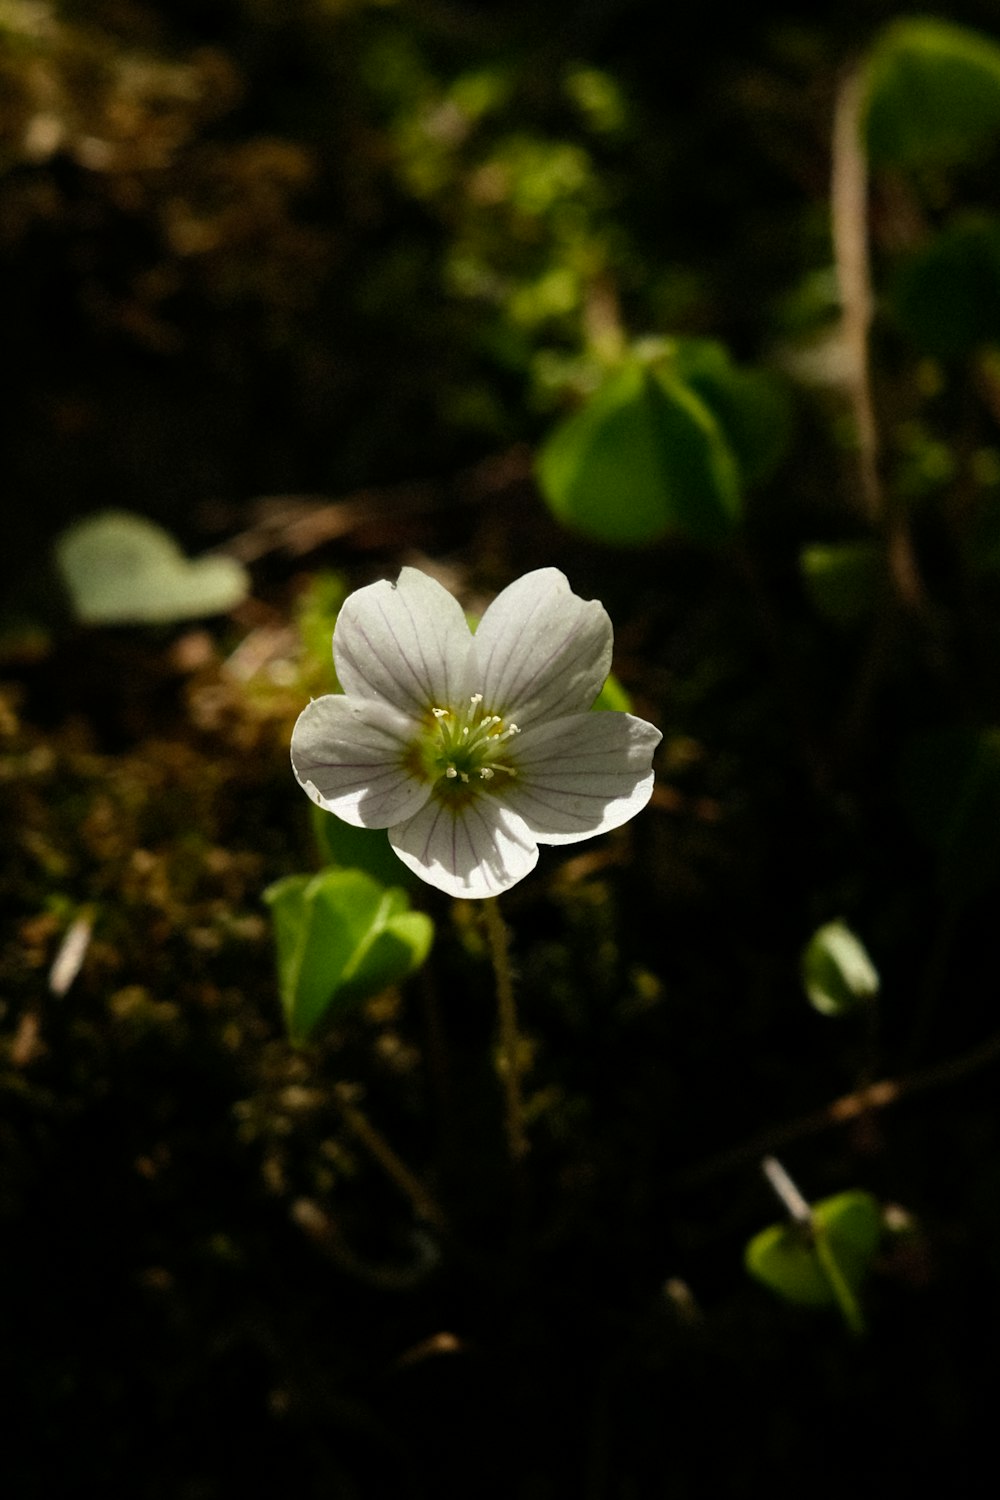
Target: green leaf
(366, 849)
(340, 937)
(316, 615)
(784, 1257)
(836, 970)
(121, 569)
(950, 788)
(844, 580)
(613, 698)
(981, 538)
(643, 458)
(946, 296)
(751, 406)
(932, 95)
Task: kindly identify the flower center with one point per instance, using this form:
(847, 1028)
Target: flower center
(465, 750)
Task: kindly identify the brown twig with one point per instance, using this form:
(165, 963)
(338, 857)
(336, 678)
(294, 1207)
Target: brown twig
(849, 213)
(377, 1145)
(842, 1111)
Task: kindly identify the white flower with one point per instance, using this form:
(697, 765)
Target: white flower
(473, 749)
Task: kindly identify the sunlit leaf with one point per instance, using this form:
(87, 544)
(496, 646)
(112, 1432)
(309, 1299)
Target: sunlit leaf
(613, 697)
(121, 569)
(340, 937)
(932, 94)
(836, 970)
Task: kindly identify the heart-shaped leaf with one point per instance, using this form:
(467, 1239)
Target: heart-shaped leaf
(643, 458)
(751, 406)
(789, 1258)
(932, 94)
(365, 849)
(341, 937)
(946, 296)
(121, 569)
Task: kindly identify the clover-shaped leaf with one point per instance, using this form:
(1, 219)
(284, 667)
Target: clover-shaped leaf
(341, 937)
(822, 1262)
(122, 569)
(643, 458)
(932, 94)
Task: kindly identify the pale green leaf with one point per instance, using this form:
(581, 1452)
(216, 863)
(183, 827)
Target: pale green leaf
(121, 569)
(341, 937)
(836, 970)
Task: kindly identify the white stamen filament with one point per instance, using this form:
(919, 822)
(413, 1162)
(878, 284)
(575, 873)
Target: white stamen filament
(465, 743)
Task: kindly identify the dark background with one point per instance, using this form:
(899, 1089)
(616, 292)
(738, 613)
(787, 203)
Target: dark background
(230, 271)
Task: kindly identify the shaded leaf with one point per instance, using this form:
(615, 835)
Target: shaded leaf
(643, 458)
(932, 94)
(751, 406)
(843, 579)
(366, 849)
(946, 297)
(950, 788)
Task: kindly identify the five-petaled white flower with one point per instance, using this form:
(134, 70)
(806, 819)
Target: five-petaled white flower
(473, 749)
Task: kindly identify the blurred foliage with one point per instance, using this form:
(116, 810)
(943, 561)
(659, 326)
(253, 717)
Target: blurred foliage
(837, 973)
(811, 1263)
(665, 445)
(120, 569)
(366, 259)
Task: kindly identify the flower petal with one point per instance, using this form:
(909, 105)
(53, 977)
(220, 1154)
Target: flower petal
(349, 755)
(540, 651)
(476, 851)
(405, 643)
(582, 775)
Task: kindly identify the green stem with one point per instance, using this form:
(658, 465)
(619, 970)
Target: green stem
(509, 1061)
(846, 1300)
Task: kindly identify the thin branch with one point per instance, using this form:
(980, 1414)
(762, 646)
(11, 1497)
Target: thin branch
(359, 1124)
(842, 1111)
(849, 213)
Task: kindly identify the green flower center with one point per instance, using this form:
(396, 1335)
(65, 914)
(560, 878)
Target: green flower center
(465, 752)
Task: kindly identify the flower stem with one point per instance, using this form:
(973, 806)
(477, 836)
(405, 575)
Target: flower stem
(509, 1061)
